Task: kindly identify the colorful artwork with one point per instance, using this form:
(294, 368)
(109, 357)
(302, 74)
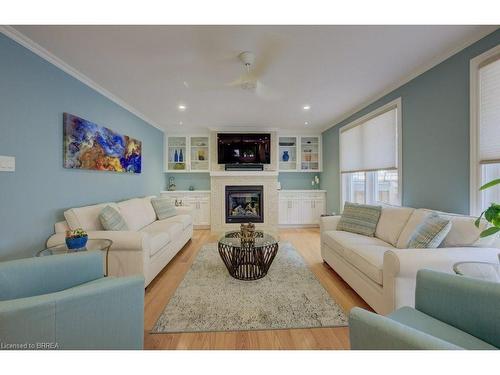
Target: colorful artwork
(90, 146)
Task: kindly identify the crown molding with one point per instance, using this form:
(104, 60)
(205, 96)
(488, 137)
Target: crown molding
(414, 74)
(34, 47)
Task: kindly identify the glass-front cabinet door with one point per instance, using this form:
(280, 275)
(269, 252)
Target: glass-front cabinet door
(199, 154)
(287, 153)
(310, 154)
(177, 154)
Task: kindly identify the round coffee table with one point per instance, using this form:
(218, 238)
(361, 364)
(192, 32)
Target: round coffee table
(248, 260)
(479, 270)
(92, 245)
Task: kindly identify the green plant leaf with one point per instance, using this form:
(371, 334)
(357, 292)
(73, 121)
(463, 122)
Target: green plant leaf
(489, 232)
(490, 184)
(478, 220)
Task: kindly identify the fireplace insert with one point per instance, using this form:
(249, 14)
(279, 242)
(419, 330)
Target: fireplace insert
(245, 204)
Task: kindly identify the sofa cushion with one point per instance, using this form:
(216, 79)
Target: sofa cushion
(430, 233)
(164, 207)
(427, 324)
(391, 223)
(112, 219)
(158, 241)
(184, 220)
(463, 232)
(364, 253)
(86, 217)
(417, 217)
(136, 213)
(359, 218)
(173, 228)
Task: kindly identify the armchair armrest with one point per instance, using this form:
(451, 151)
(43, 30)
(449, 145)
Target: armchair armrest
(471, 305)
(105, 314)
(369, 331)
(122, 240)
(329, 223)
(35, 276)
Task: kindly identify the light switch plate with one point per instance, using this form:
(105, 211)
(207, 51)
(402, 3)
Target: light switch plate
(7, 163)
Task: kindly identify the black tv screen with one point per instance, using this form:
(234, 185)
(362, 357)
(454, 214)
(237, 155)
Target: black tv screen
(237, 148)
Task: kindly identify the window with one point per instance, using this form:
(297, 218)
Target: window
(370, 153)
(485, 129)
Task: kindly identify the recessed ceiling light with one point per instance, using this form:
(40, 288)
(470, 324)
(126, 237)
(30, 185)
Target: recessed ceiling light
(180, 122)
(307, 107)
(182, 107)
(306, 123)
(186, 85)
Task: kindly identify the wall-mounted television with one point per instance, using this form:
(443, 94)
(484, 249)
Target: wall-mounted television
(244, 148)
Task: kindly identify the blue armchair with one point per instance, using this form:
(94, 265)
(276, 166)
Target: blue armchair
(64, 302)
(451, 312)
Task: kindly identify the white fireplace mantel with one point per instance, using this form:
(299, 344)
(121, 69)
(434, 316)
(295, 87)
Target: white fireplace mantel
(243, 173)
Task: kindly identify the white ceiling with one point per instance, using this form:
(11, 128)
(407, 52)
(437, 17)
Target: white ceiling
(334, 69)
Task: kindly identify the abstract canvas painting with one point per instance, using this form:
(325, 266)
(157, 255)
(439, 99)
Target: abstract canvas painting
(90, 146)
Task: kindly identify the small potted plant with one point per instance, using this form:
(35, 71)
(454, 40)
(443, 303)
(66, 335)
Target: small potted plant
(492, 214)
(76, 239)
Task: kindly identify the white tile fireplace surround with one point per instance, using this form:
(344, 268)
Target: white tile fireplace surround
(219, 181)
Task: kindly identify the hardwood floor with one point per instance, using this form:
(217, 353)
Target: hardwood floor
(307, 242)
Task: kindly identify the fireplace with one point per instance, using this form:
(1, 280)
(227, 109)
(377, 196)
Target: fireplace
(245, 204)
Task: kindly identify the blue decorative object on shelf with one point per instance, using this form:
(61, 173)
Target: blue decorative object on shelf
(181, 157)
(76, 243)
(176, 156)
(285, 156)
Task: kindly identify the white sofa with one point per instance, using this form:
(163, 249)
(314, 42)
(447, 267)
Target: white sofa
(383, 271)
(148, 245)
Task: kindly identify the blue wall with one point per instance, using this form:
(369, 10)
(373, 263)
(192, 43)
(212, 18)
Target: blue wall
(435, 108)
(201, 181)
(33, 96)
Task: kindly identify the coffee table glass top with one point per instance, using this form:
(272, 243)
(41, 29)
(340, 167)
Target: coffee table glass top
(92, 245)
(261, 239)
(479, 270)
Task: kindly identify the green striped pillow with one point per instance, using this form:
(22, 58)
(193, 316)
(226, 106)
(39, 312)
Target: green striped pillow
(430, 233)
(359, 218)
(111, 219)
(164, 207)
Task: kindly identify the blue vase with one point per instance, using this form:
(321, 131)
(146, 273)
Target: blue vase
(76, 243)
(181, 157)
(176, 156)
(285, 156)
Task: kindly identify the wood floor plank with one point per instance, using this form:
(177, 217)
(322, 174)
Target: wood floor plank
(307, 242)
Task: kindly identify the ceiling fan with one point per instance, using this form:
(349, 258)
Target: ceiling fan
(250, 79)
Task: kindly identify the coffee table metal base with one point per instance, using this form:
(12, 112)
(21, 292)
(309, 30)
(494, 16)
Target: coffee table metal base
(246, 262)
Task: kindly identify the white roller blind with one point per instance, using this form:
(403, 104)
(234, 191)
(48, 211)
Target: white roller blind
(370, 145)
(489, 113)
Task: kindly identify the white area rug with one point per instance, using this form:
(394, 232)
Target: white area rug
(209, 299)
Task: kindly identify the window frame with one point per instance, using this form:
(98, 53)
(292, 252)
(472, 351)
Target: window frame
(397, 104)
(475, 172)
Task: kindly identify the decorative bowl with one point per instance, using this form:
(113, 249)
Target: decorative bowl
(76, 243)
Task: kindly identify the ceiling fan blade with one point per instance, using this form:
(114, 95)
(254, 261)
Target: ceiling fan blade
(264, 92)
(267, 53)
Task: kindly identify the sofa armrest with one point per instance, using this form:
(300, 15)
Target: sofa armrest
(122, 240)
(407, 262)
(35, 276)
(329, 223)
(369, 331)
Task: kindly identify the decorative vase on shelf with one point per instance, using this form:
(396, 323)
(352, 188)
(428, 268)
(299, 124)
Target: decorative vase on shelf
(176, 156)
(285, 156)
(181, 157)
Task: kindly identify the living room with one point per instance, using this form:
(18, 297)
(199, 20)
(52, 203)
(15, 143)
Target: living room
(244, 186)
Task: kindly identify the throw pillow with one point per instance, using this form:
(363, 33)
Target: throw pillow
(430, 233)
(164, 208)
(359, 218)
(112, 219)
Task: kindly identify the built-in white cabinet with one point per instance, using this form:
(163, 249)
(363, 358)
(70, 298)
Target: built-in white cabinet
(199, 201)
(187, 154)
(301, 207)
(299, 153)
